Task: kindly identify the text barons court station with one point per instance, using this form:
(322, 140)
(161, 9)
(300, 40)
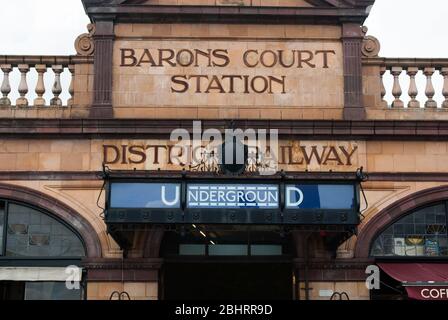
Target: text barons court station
(223, 150)
(220, 58)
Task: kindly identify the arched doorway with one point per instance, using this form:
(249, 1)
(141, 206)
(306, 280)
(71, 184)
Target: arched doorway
(226, 262)
(42, 244)
(409, 241)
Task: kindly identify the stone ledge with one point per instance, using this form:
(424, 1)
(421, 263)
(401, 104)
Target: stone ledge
(327, 129)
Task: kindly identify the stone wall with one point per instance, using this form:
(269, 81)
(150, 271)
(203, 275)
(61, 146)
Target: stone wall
(311, 89)
(88, 155)
(320, 290)
(136, 290)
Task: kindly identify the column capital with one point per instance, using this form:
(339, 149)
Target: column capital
(6, 68)
(57, 68)
(429, 71)
(41, 68)
(396, 71)
(412, 71)
(24, 67)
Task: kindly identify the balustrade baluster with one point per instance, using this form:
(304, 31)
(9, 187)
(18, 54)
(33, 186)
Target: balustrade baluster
(40, 86)
(444, 73)
(6, 86)
(430, 103)
(57, 87)
(383, 88)
(22, 101)
(71, 89)
(396, 90)
(413, 90)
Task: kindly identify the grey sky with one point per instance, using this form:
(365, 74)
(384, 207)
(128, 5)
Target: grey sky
(405, 28)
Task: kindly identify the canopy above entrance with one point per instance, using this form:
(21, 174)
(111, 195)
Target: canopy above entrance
(423, 281)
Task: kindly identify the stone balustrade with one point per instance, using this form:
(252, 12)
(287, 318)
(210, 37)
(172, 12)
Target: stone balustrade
(41, 64)
(429, 71)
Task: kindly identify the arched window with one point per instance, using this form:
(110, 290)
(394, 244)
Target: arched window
(31, 233)
(422, 233)
(35, 251)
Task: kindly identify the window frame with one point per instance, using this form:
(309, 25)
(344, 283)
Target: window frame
(5, 222)
(407, 213)
(48, 261)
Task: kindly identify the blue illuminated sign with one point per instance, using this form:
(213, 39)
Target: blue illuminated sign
(145, 195)
(233, 196)
(320, 196)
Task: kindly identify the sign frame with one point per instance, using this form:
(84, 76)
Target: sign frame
(237, 216)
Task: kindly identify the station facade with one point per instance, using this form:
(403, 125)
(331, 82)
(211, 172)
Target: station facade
(90, 181)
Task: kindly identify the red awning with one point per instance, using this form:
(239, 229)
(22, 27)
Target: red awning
(423, 281)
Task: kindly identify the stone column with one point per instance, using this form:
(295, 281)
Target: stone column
(444, 73)
(6, 86)
(396, 90)
(352, 38)
(413, 90)
(102, 86)
(57, 87)
(40, 86)
(430, 92)
(22, 101)
(71, 88)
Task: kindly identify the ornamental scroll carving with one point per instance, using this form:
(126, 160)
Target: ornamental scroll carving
(84, 44)
(370, 45)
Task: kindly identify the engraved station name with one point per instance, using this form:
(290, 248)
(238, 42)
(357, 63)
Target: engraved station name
(129, 154)
(245, 83)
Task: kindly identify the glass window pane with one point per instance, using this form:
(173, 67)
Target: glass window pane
(2, 225)
(422, 233)
(34, 234)
(227, 250)
(50, 291)
(192, 249)
(265, 250)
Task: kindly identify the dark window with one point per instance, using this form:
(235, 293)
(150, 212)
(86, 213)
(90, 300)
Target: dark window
(210, 240)
(31, 233)
(421, 233)
(2, 226)
(50, 291)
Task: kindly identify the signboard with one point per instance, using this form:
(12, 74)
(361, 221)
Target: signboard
(244, 203)
(208, 73)
(233, 196)
(145, 195)
(320, 196)
(429, 292)
(293, 155)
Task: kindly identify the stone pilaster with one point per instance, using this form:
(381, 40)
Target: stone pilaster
(352, 39)
(102, 88)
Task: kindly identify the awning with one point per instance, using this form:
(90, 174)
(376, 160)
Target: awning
(423, 281)
(40, 274)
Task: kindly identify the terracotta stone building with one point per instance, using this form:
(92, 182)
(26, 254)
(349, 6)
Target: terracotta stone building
(88, 181)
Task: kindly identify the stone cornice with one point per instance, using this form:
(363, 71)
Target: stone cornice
(96, 175)
(341, 264)
(329, 11)
(113, 264)
(312, 129)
